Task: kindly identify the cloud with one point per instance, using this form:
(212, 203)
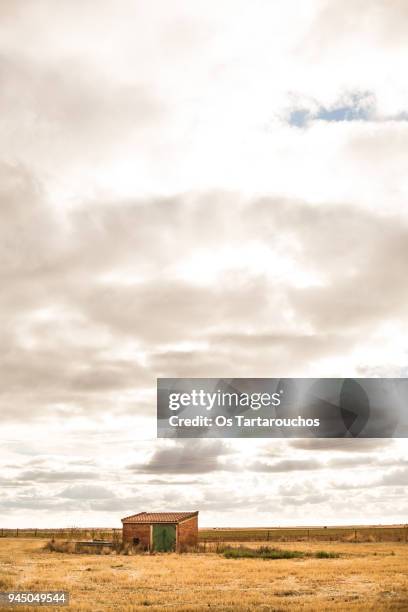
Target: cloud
(307, 499)
(346, 445)
(361, 238)
(54, 476)
(398, 478)
(287, 465)
(68, 105)
(87, 492)
(125, 506)
(167, 482)
(100, 283)
(382, 21)
(353, 461)
(187, 457)
(37, 503)
(149, 226)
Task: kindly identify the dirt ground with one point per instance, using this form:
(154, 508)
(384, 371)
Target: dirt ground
(366, 576)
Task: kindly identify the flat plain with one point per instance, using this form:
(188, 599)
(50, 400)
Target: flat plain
(365, 576)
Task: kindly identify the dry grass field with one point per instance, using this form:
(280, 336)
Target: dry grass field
(366, 576)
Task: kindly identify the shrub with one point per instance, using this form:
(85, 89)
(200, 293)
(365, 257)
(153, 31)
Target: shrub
(266, 552)
(63, 546)
(263, 552)
(323, 554)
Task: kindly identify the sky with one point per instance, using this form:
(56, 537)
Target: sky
(197, 189)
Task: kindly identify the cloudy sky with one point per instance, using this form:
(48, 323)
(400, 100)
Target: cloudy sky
(194, 188)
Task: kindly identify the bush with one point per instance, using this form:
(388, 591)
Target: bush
(266, 552)
(63, 546)
(263, 552)
(323, 554)
(67, 546)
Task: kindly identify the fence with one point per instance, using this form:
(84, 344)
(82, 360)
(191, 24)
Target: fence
(327, 534)
(63, 534)
(275, 534)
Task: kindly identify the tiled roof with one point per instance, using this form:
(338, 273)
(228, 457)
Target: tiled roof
(158, 517)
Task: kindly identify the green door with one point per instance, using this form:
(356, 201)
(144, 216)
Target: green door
(164, 537)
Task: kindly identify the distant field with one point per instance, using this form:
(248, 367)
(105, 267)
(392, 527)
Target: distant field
(285, 534)
(363, 576)
(374, 533)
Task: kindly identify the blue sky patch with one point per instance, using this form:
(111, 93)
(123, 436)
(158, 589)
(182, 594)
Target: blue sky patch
(299, 118)
(355, 107)
(343, 113)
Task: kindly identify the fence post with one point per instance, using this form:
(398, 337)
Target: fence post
(355, 534)
(16, 533)
(308, 535)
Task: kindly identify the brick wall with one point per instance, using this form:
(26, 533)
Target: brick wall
(134, 530)
(188, 533)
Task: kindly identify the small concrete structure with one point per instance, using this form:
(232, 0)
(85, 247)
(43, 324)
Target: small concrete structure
(97, 544)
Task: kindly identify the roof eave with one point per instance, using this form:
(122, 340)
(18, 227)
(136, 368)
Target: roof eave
(128, 519)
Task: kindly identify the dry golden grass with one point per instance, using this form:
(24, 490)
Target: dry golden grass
(367, 576)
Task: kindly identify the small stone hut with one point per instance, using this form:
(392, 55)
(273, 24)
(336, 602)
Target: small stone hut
(161, 531)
